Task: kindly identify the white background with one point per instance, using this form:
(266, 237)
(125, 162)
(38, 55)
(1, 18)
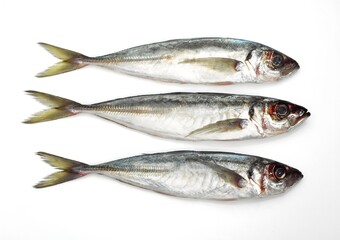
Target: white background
(96, 207)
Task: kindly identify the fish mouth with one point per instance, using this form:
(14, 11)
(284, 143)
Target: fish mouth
(303, 115)
(297, 67)
(295, 177)
(291, 66)
(298, 175)
(294, 64)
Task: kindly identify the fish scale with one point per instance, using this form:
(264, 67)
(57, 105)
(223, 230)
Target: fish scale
(186, 116)
(202, 60)
(189, 174)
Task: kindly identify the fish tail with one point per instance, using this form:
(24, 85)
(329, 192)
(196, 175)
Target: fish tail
(59, 107)
(70, 170)
(70, 60)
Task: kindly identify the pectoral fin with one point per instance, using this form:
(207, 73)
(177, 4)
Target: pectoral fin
(226, 65)
(232, 177)
(221, 126)
(228, 175)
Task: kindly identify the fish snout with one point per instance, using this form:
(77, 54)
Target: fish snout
(294, 177)
(299, 114)
(303, 114)
(290, 67)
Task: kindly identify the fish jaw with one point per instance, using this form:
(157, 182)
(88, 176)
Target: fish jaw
(301, 115)
(296, 177)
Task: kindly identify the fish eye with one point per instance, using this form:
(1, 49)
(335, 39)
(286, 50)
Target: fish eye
(280, 172)
(277, 60)
(282, 110)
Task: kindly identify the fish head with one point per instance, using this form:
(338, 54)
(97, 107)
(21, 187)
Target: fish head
(277, 178)
(270, 65)
(277, 116)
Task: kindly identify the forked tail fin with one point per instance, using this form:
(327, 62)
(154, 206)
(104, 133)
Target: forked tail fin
(69, 170)
(59, 107)
(70, 60)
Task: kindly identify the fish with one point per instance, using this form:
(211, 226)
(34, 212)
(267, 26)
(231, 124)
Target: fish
(185, 116)
(196, 61)
(186, 174)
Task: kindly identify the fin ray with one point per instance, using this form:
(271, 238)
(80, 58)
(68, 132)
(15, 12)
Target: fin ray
(226, 65)
(227, 174)
(67, 167)
(221, 126)
(59, 107)
(232, 177)
(70, 60)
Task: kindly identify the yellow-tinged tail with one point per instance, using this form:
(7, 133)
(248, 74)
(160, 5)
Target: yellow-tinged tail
(70, 60)
(59, 107)
(70, 170)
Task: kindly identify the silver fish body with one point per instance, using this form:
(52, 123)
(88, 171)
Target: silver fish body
(187, 116)
(201, 60)
(189, 174)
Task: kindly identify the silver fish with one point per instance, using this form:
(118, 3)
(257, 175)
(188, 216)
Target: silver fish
(188, 174)
(186, 116)
(201, 60)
